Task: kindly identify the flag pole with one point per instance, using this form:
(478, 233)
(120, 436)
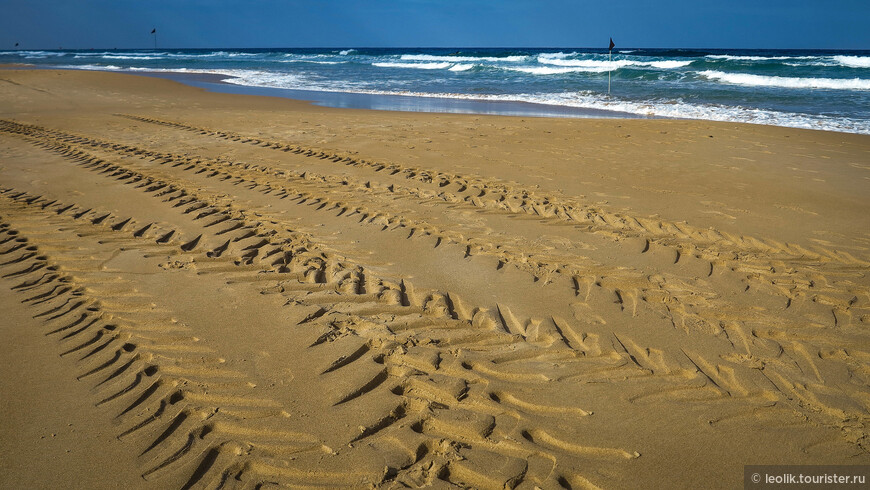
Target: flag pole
(610, 64)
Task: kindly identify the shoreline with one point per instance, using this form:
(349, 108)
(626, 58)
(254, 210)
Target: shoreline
(263, 289)
(382, 102)
(397, 102)
(432, 104)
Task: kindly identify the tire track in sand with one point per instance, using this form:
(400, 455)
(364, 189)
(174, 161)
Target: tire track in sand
(490, 364)
(183, 428)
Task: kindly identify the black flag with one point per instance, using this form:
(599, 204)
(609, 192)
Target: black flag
(611, 44)
(154, 31)
(16, 45)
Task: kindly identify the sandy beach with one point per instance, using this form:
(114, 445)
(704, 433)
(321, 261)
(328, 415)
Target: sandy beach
(204, 290)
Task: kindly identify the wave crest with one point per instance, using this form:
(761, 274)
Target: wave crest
(788, 82)
(606, 65)
(853, 61)
(728, 57)
(458, 58)
(419, 66)
(547, 70)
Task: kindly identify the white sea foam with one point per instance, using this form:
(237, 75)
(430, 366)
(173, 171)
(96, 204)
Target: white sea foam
(788, 82)
(150, 55)
(657, 108)
(346, 52)
(664, 108)
(668, 64)
(559, 55)
(710, 112)
(105, 54)
(606, 65)
(420, 66)
(213, 54)
(28, 54)
(669, 109)
(457, 58)
(95, 67)
(729, 57)
(809, 63)
(316, 62)
(271, 79)
(116, 57)
(853, 61)
(547, 70)
(462, 67)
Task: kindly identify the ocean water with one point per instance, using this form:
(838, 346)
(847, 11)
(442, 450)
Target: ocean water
(828, 90)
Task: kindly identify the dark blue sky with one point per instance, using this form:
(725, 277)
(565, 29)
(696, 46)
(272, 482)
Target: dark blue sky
(824, 24)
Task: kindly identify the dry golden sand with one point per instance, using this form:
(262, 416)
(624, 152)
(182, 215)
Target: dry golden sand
(202, 290)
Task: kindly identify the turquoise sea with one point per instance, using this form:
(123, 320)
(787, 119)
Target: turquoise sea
(827, 90)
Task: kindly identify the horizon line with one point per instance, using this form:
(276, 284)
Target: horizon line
(19, 48)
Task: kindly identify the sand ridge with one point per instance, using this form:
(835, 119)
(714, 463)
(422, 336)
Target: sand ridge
(256, 310)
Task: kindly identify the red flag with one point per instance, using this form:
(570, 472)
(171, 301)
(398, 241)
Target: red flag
(611, 44)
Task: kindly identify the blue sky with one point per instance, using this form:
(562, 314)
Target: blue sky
(48, 24)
